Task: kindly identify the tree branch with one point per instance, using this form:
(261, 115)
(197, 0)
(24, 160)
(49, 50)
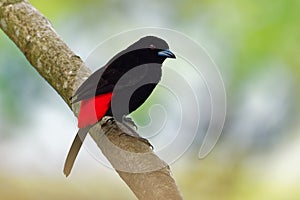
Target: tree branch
(145, 174)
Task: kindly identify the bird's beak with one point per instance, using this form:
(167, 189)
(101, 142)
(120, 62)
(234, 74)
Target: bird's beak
(166, 53)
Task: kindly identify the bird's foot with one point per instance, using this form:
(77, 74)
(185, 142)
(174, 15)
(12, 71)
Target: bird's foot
(129, 122)
(144, 140)
(107, 119)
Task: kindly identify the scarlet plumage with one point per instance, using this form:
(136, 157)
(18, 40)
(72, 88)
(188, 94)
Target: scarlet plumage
(92, 110)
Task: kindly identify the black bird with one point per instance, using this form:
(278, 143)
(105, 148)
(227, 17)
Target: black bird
(118, 88)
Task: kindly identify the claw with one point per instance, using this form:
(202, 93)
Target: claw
(129, 121)
(146, 142)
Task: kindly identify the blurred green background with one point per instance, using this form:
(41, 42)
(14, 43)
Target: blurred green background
(255, 45)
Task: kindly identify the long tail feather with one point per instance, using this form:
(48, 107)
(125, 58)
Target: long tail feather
(77, 143)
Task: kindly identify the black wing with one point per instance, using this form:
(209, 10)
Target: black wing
(104, 80)
(99, 82)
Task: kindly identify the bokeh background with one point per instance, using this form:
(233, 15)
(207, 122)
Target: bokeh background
(255, 45)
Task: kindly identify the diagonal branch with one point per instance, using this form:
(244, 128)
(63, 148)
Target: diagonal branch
(145, 174)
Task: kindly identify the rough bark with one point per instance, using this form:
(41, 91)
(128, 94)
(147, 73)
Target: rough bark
(145, 174)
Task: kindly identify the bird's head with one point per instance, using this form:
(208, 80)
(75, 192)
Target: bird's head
(151, 49)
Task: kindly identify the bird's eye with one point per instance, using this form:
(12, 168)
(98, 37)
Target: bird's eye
(151, 46)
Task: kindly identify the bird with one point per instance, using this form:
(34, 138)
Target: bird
(114, 82)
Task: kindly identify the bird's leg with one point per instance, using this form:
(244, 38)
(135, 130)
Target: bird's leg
(129, 123)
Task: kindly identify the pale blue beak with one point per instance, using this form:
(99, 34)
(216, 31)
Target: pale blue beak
(166, 53)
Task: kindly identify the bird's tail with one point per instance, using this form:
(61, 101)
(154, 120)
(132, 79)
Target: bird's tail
(77, 143)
